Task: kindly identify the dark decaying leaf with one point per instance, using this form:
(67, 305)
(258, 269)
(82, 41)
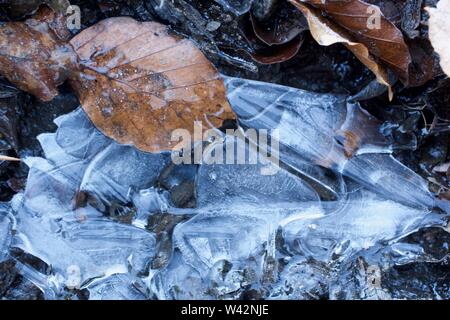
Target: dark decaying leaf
(283, 26)
(279, 53)
(424, 65)
(271, 54)
(34, 55)
(19, 8)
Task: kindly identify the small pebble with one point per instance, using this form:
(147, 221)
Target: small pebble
(213, 26)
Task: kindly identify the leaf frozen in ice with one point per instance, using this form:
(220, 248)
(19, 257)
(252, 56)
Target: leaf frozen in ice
(208, 238)
(250, 182)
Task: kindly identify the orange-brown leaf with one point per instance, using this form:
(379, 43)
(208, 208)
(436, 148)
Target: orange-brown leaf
(138, 83)
(352, 18)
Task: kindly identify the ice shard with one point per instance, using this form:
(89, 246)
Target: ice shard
(330, 131)
(241, 212)
(56, 226)
(5, 230)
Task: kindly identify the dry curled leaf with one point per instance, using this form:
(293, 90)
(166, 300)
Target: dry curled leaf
(439, 30)
(366, 24)
(34, 55)
(138, 83)
(325, 33)
(285, 25)
(349, 22)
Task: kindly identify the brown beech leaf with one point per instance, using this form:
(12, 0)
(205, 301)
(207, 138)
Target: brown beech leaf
(439, 30)
(385, 41)
(34, 55)
(326, 33)
(280, 53)
(138, 83)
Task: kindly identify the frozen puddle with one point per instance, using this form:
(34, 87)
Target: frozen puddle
(102, 216)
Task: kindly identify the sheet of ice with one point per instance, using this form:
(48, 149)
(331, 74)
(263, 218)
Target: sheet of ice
(179, 281)
(83, 239)
(362, 221)
(54, 225)
(251, 233)
(235, 228)
(249, 183)
(95, 159)
(383, 174)
(240, 214)
(5, 231)
(119, 170)
(327, 130)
